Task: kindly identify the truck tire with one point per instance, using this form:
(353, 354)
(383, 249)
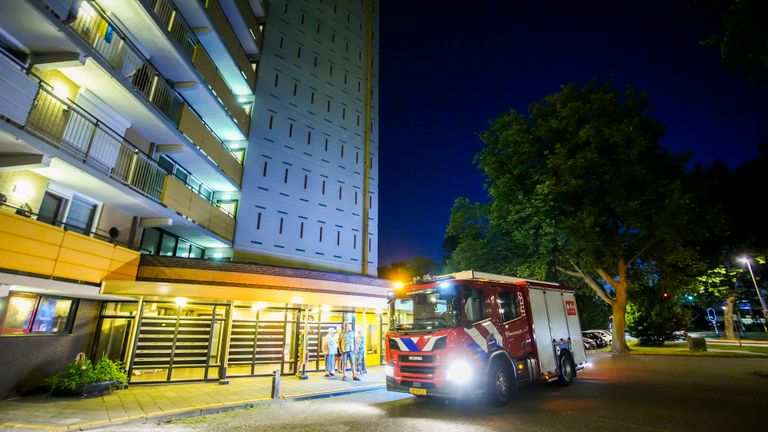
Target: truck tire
(501, 383)
(567, 369)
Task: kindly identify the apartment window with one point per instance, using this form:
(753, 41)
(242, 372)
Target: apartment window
(285, 176)
(369, 244)
(355, 197)
(370, 202)
(358, 120)
(333, 37)
(318, 28)
(32, 313)
(323, 187)
(328, 106)
(338, 238)
(258, 221)
(51, 208)
(340, 192)
(295, 89)
(264, 170)
(301, 230)
(345, 77)
(342, 152)
(80, 215)
(330, 70)
(343, 113)
(302, 18)
(305, 181)
(321, 234)
(167, 245)
(277, 79)
(326, 144)
(309, 137)
(357, 157)
(271, 121)
(290, 130)
(280, 229)
(354, 241)
(314, 63)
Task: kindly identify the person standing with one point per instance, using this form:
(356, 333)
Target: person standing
(300, 358)
(330, 346)
(360, 353)
(347, 344)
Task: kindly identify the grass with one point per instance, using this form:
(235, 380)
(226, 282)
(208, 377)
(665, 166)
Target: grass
(681, 349)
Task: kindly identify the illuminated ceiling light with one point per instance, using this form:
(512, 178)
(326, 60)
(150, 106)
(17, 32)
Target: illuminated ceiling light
(61, 90)
(297, 300)
(325, 308)
(258, 306)
(86, 9)
(180, 301)
(226, 197)
(23, 190)
(378, 311)
(218, 255)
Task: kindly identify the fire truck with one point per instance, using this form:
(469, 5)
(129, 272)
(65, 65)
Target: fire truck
(470, 333)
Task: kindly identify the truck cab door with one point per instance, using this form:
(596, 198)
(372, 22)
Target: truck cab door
(514, 326)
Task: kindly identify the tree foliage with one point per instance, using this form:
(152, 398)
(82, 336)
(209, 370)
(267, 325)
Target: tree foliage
(581, 187)
(743, 41)
(404, 271)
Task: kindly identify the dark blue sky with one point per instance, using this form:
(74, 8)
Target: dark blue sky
(447, 68)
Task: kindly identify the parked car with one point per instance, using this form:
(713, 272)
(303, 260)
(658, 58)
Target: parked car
(679, 335)
(597, 338)
(589, 344)
(605, 334)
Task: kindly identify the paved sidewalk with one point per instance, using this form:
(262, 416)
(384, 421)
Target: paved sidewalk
(141, 402)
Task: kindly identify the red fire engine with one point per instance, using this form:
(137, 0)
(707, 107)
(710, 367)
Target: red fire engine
(468, 333)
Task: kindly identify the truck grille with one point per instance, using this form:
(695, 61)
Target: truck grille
(421, 370)
(416, 358)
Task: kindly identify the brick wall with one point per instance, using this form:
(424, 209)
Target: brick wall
(26, 361)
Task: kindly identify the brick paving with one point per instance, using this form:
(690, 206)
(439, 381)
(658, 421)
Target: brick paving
(141, 402)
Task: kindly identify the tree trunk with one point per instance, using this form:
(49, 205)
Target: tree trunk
(729, 331)
(619, 307)
(619, 328)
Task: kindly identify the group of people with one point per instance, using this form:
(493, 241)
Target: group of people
(346, 347)
(341, 348)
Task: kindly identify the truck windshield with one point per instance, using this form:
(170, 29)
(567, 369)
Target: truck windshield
(425, 310)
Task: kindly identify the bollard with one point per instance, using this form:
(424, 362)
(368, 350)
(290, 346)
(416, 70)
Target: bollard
(276, 385)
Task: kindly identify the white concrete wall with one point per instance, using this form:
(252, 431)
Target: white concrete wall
(308, 122)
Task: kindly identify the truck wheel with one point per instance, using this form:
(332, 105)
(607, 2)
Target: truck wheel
(500, 383)
(567, 369)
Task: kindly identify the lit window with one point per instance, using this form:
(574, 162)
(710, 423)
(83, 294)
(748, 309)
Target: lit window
(30, 313)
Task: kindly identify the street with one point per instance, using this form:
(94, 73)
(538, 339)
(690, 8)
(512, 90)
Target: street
(620, 393)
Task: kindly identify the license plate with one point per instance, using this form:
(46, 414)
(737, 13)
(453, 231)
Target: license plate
(418, 391)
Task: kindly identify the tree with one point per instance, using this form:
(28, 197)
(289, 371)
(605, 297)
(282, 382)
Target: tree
(404, 271)
(581, 187)
(743, 42)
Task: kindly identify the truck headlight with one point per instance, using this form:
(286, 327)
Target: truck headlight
(389, 370)
(458, 371)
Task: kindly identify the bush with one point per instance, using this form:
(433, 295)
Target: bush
(82, 372)
(654, 322)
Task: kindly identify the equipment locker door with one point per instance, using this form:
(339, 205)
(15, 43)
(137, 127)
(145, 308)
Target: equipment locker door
(574, 328)
(541, 331)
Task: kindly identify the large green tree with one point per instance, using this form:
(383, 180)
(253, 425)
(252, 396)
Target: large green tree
(580, 187)
(743, 40)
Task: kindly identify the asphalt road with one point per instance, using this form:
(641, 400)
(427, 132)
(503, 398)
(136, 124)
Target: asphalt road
(617, 393)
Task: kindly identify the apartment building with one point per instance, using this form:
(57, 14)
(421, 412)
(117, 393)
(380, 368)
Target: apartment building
(185, 185)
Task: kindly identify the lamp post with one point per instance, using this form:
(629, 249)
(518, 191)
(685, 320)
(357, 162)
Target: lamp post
(759, 296)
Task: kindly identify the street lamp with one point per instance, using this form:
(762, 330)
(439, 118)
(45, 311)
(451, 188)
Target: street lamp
(759, 296)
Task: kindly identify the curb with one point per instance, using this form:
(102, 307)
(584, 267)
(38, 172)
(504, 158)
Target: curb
(194, 411)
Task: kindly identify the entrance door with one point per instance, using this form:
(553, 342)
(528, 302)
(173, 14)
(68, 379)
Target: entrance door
(178, 343)
(257, 342)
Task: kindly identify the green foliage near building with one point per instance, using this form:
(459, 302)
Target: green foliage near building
(652, 318)
(580, 188)
(405, 271)
(82, 372)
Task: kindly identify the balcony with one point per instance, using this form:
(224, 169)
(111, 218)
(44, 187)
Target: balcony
(226, 31)
(168, 18)
(191, 126)
(126, 61)
(178, 196)
(30, 246)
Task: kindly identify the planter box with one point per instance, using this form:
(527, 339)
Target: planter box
(88, 389)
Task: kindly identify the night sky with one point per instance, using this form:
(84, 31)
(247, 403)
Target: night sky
(447, 68)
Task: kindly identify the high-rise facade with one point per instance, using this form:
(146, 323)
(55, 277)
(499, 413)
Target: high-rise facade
(208, 162)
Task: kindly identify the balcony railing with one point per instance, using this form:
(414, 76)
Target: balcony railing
(95, 29)
(113, 46)
(166, 15)
(74, 131)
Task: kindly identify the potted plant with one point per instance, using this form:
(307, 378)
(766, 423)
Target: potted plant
(82, 377)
